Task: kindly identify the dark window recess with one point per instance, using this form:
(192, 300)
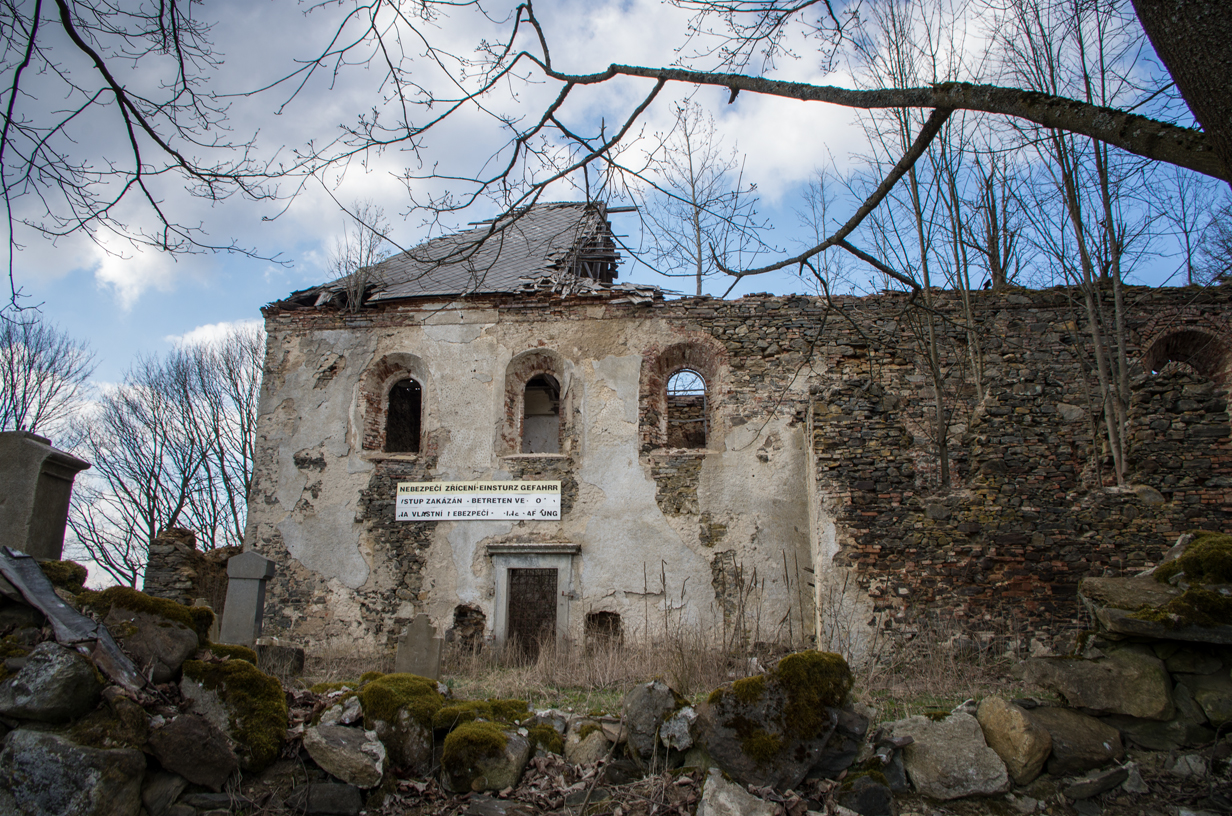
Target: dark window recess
(469, 624)
(541, 415)
(403, 418)
(686, 410)
(532, 610)
(603, 630)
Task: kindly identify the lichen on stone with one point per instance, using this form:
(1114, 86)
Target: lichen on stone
(9, 647)
(382, 698)
(197, 618)
(257, 703)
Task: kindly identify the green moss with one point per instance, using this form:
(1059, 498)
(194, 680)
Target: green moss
(368, 677)
(936, 715)
(233, 651)
(546, 737)
(384, 697)
(67, 575)
(454, 714)
(761, 746)
(749, 689)
(588, 729)
(1193, 607)
(102, 728)
(716, 697)
(469, 743)
(197, 618)
(1207, 560)
(812, 681)
(257, 705)
(326, 688)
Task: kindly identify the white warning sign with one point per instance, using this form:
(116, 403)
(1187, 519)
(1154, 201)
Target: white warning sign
(478, 501)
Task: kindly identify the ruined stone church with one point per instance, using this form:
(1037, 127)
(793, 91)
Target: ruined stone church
(765, 468)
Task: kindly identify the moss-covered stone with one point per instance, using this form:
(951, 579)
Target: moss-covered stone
(454, 714)
(466, 748)
(813, 681)
(339, 685)
(749, 689)
(368, 677)
(66, 575)
(546, 737)
(9, 647)
(588, 729)
(233, 651)
(1193, 607)
(257, 706)
(122, 725)
(383, 697)
(1207, 560)
(197, 618)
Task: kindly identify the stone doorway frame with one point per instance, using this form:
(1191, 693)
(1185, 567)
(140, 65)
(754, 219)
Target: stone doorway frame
(532, 555)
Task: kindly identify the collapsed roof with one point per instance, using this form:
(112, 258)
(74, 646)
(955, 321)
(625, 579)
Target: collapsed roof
(562, 246)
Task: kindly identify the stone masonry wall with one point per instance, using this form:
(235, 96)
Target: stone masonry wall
(1030, 508)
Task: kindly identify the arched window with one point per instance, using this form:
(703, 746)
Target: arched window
(541, 415)
(403, 417)
(686, 410)
(1201, 351)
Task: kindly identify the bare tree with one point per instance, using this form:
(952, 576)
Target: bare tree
(701, 211)
(171, 446)
(1215, 248)
(362, 245)
(147, 457)
(1186, 208)
(78, 74)
(43, 375)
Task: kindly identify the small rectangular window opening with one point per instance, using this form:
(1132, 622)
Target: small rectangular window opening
(402, 420)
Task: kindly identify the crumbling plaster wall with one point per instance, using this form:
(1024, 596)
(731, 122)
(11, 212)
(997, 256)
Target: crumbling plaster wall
(323, 504)
(821, 410)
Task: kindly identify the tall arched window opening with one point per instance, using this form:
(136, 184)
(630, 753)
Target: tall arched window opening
(402, 418)
(541, 415)
(686, 410)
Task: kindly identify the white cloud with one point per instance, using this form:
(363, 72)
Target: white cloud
(211, 333)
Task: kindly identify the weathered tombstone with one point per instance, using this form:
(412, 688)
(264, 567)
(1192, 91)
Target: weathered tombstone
(279, 658)
(36, 482)
(419, 649)
(245, 606)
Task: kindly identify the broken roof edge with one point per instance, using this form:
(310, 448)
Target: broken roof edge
(567, 242)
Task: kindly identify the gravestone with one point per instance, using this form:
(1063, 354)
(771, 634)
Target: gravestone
(36, 482)
(419, 649)
(245, 605)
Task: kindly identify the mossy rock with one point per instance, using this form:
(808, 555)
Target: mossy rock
(122, 725)
(197, 618)
(233, 651)
(66, 575)
(1207, 560)
(476, 757)
(1193, 607)
(588, 729)
(770, 729)
(256, 707)
(546, 737)
(454, 714)
(368, 677)
(9, 647)
(385, 696)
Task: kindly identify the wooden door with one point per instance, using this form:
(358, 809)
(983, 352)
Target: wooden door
(532, 609)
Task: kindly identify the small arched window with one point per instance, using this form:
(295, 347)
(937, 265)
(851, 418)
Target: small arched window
(686, 410)
(403, 417)
(541, 415)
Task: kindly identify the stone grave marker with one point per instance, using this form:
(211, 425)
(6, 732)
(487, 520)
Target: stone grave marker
(419, 649)
(245, 605)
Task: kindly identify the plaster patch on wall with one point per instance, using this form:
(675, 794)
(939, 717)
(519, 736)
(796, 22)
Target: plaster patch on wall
(615, 370)
(328, 544)
(464, 540)
(457, 333)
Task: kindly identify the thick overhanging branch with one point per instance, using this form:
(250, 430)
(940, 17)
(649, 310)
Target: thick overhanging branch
(927, 133)
(1140, 135)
